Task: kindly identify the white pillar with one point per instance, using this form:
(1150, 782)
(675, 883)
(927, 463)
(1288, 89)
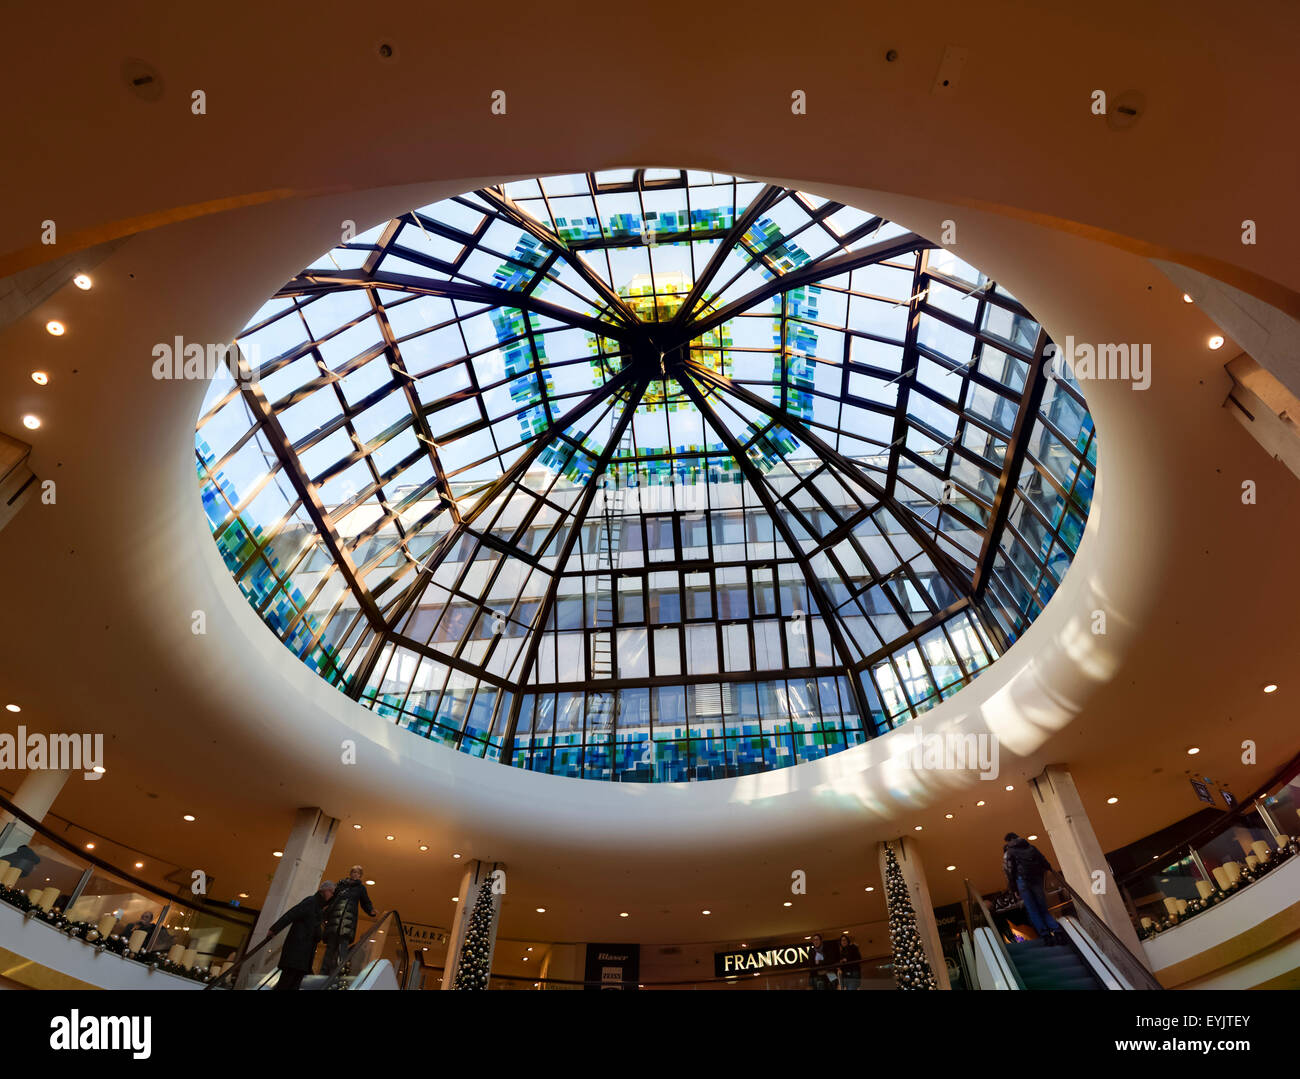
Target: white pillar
(35, 796)
(909, 862)
(1078, 853)
(306, 852)
(476, 872)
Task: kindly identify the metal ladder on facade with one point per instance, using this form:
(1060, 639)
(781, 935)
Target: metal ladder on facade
(602, 705)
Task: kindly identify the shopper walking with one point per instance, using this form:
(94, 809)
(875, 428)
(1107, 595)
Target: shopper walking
(341, 917)
(1024, 866)
(850, 963)
(303, 920)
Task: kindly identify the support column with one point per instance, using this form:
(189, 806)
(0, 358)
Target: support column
(35, 796)
(1078, 853)
(306, 852)
(476, 872)
(909, 862)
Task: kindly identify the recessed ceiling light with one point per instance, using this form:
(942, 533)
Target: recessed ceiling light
(389, 838)
(277, 854)
(12, 708)
(189, 817)
(40, 378)
(139, 865)
(706, 912)
(530, 949)
(788, 903)
(356, 827)
(1010, 787)
(525, 959)
(90, 846)
(1270, 688)
(622, 914)
(54, 327)
(980, 802)
(1186, 298)
(871, 888)
(99, 769)
(424, 846)
(31, 422)
(82, 281)
(243, 895)
(541, 910)
(370, 884)
(918, 828)
(455, 855)
(1111, 801)
(951, 868)
(947, 816)
(455, 899)
(1031, 838)
(1193, 750)
(1215, 342)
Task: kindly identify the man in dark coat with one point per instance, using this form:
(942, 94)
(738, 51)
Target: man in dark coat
(341, 918)
(304, 924)
(1024, 866)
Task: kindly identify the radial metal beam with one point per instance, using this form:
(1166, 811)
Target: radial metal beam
(315, 282)
(951, 573)
(506, 206)
(548, 600)
(759, 483)
(302, 485)
(763, 201)
(415, 589)
(810, 274)
(1031, 398)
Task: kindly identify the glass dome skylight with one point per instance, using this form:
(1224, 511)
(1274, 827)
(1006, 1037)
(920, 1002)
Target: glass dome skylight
(645, 475)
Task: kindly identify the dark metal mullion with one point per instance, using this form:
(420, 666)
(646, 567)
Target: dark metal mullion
(758, 483)
(548, 600)
(908, 377)
(1017, 446)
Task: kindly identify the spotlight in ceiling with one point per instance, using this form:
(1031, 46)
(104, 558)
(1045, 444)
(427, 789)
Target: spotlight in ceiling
(870, 888)
(951, 868)
(243, 895)
(370, 884)
(1270, 688)
(706, 912)
(424, 846)
(918, 828)
(787, 903)
(947, 816)
(1031, 838)
(99, 769)
(1216, 342)
(90, 846)
(390, 838)
(277, 854)
(1111, 801)
(12, 708)
(621, 914)
(40, 378)
(1010, 787)
(1193, 750)
(82, 281)
(455, 855)
(541, 910)
(139, 865)
(189, 817)
(455, 899)
(31, 422)
(1186, 298)
(980, 802)
(356, 827)
(54, 328)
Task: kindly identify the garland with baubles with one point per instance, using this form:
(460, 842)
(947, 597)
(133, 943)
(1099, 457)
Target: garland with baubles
(116, 943)
(476, 953)
(911, 966)
(1248, 875)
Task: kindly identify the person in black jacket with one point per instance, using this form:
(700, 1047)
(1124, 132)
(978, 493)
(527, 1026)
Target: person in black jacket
(341, 917)
(303, 920)
(817, 974)
(850, 963)
(1024, 866)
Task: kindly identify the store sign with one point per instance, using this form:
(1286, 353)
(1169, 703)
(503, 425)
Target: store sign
(1202, 791)
(751, 960)
(424, 935)
(613, 966)
(1228, 799)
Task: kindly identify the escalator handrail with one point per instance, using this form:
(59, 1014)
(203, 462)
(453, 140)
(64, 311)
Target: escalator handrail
(1095, 926)
(976, 901)
(377, 925)
(245, 956)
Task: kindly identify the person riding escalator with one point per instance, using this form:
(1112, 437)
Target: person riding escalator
(341, 917)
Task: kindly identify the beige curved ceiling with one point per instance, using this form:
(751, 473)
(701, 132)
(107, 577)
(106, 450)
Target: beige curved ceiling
(102, 585)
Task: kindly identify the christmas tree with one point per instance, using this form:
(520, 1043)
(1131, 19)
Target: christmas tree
(911, 967)
(476, 953)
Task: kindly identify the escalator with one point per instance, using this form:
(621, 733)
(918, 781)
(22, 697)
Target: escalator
(1092, 956)
(379, 959)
